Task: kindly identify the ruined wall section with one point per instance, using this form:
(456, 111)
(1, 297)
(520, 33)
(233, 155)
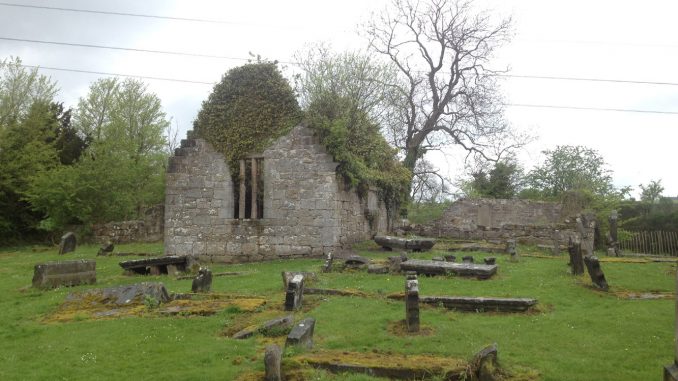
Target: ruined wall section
(531, 222)
(307, 210)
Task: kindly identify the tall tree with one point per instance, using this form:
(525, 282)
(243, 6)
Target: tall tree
(20, 88)
(652, 192)
(448, 93)
(503, 180)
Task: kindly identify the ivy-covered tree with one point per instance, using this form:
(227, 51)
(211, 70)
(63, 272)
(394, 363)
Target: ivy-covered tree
(251, 106)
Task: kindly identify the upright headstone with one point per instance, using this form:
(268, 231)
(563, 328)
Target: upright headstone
(595, 272)
(294, 293)
(511, 249)
(302, 334)
(490, 260)
(671, 371)
(450, 258)
(556, 242)
(467, 259)
(203, 281)
(412, 302)
(327, 267)
(576, 259)
(272, 360)
(613, 238)
(68, 243)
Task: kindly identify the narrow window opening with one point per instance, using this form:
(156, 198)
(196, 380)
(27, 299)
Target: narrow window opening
(248, 190)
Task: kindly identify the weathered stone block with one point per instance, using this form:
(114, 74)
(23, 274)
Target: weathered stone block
(67, 273)
(294, 293)
(203, 281)
(302, 334)
(272, 360)
(412, 302)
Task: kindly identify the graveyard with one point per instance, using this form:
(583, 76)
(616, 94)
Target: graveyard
(342, 320)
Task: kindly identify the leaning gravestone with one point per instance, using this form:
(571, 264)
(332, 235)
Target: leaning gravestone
(302, 334)
(272, 360)
(106, 249)
(485, 364)
(596, 273)
(412, 302)
(68, 243)
(294, 293)
(203, 281)
(66, 273)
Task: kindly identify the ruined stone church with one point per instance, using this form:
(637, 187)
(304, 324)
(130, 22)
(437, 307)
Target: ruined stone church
(286, 202)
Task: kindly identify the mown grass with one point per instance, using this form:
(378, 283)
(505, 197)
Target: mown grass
(577, 333)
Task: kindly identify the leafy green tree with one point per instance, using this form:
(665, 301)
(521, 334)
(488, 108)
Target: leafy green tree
(571, 168)
(502, 181)
(122, 170)
(20, 88)
(652, 192)
(251, 107)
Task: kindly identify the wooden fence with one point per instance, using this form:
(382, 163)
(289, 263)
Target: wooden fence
(650, 242)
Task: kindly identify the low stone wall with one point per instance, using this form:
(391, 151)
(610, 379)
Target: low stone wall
(150, 229)
(529, 222)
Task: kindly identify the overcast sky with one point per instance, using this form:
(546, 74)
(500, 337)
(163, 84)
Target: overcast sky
(621, 40)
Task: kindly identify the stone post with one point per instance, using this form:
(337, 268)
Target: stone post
(243, 191)
(511, 249)
(254, 189)
(328, 263)
(556, 242)
(412, 302)
(671, 371)
(614, 240)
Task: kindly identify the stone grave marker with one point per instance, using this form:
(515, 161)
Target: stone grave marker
(106, 249)
(490, 260)
(595, 272)
(556, 243)
(294, 293)
(327, 267)
(67, 244)
(412, 302)
(450, 258)
(612, 235)
(467, 259)
(485, 364)
(576, 259)
(302, 334)
(66, 273)
(272, 360)
(511, 249)
(203, 281)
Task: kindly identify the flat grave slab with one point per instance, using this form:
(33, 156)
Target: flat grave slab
(414, 244)
(485, 304)
(157, 266)
(426, 267)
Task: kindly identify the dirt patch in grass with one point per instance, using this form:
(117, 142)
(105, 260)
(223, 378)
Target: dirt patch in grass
(90, 307)
(399, 328)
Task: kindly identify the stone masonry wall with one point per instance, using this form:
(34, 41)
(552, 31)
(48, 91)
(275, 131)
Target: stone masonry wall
(531, 222)
(148, 229)
(307, 210)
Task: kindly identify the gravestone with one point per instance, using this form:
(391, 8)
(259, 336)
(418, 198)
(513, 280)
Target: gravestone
(294, 293)
(272, 360)
(414, 244)
(467, 259)
(490, 260)
(158, 265)
(66, 273)
(595, 272)
(67, 244)
(203, 281)
(302, 334)
(394, 263)
(288, 275)
(556, 242)
(485, 364)
(511, 249)
(671, 371)
(412, 302)
(421, 266)
(576, 259)
(273, 326)
(125, 295)
(377, 269)
(355, 262)
(450, 258)
(106, 249)
(327, 267)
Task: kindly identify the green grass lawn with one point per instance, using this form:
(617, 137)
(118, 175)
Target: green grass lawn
(577, 334)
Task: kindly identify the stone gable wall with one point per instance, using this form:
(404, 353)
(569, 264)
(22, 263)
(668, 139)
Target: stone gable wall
(307, 210)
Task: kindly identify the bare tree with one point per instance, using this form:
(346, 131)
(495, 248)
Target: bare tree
(447, 95)
(428, 185)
